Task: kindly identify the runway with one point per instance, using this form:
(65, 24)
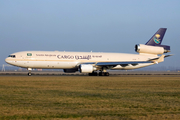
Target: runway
(112, 73)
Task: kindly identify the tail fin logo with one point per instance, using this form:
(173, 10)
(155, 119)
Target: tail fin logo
(156, 38)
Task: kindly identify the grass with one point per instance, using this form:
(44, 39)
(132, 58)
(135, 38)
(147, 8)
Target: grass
(83, 97)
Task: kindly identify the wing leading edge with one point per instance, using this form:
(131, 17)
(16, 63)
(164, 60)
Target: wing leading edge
(121, 63)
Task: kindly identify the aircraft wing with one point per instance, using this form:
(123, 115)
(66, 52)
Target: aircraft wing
(134, 63)
(120, 63)
(159, 57)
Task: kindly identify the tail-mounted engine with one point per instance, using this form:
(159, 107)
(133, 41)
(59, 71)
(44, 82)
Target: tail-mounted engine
(140, 48)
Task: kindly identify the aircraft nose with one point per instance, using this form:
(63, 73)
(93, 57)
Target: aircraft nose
(7, 60)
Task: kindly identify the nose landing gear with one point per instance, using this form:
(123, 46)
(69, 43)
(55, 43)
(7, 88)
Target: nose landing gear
(29, 74)
(29, 71)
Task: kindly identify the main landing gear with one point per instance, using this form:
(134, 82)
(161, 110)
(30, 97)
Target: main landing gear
(93, 74)
(103, 74)
(100, 74)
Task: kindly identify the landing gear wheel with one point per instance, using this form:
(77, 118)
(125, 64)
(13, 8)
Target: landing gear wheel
(100, 73)
(103, 74)
(29, 74)
(29, 71)
(106, 74)
(93, 74)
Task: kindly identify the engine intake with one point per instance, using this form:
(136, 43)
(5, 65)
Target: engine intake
(140, 48)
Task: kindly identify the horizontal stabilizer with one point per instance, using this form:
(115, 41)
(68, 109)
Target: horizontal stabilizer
(159, 57)
(168, 55)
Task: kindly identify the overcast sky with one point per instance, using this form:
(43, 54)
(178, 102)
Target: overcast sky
(87, 25)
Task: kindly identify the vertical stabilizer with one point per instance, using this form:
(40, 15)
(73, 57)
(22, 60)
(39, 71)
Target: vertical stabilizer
(157, 38)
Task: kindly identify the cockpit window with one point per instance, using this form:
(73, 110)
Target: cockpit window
(13, 56)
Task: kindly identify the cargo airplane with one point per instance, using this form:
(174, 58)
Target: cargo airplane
(94, 63)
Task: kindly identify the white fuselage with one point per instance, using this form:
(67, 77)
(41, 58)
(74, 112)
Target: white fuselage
(69, 60)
